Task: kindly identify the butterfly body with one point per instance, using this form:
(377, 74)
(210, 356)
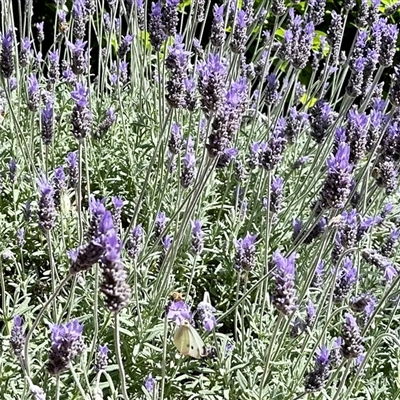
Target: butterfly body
(188, 341)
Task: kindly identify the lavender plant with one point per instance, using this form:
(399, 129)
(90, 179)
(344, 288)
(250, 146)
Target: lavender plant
(243, 156)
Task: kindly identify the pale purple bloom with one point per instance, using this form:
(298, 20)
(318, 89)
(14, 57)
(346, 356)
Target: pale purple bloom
(179, 311)
(66, 344)
(245, 258)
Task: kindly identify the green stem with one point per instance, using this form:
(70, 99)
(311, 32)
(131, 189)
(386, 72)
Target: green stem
(269, 354)
(38, 318)
(119, 357)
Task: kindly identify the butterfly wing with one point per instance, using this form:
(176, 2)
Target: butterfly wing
(196, 349)
(188, 341)
(182, 339)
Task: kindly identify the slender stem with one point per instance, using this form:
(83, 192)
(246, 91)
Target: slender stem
(164, 359)
(119, 357)
(343, 380)
(57, 387)
(53, 273)
(38, 318)
(242, 310)
(191, 275)
(95, 312)
(136, 291)
(237, 302)
(269, 354)
(79, 193)
(78, 384)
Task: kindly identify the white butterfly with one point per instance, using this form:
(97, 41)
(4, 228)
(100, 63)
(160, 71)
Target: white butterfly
(188, 341)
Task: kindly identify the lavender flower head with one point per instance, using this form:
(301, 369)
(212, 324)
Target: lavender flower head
(205, 313)
(40, 31)
(217, 37)
(212, 81)
(336, 356)
(345, 280)
(170, 17)
(25, 52)
(352, 345)
(33, 93)
(316, 380)
(79, 59)
(17, 339)
(321, 119)
(46, 212)
(318, 278)
(337, 186)
(114, 287)
(72, 166)
(102, 358)
(284, 297)
(107, 123)
(47, 131)
(188, 170)
(228, 118)
(178, 312)
(156, 26)
(21, 237)
(6, 59)
(272, 152)
(197, 241)
(135, 242)
(160, 224)
(81, 117)
(124, 46)
(149, 383)
(66, 344)
(175, 139)
(245, 257)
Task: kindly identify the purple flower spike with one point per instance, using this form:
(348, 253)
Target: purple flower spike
(124, 46)
(217, 37)
(197, 241)
(188, 170)
(321, 119)
(337, 186)
(170, 17)
(6, 59)
(116, 291)
(345, 280)
(212, 81)
(72, 166)
(79, 59)
(47, 131)
(102, 358)
(46, 213)
(81, 116)
(245, 258)
(66, 344)
(352, 341)
(150, 383)
(284, 297)
(160, 224)
(17, 339)
(226, 157)
(316, 380)
(80, 95)
(135, 242)
(205, 314)
(318, 278)
(166, 243)
(156, 26)
(179, 311)
(273, 151)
